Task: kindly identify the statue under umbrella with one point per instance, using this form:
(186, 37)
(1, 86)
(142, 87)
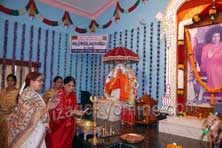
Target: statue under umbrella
(121, 82)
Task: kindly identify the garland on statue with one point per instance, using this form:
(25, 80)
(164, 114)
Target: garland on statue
(14, 47)
(144, 59)
(66, 20)
(151, 59)
(22, 54)
(4, 52)
(45, 57)
(52, 57)
(31, 48)
(158, 60)
(38, 46)
(59, 53)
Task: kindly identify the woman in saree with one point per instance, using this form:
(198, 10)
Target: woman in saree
(8, 95)
(62, 119)
(28, 122)
(8, 98)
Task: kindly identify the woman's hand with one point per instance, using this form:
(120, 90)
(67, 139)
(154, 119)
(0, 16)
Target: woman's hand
(53, 102)
(215, 123)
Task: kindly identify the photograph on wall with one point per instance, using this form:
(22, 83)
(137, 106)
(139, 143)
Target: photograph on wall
(206, 44)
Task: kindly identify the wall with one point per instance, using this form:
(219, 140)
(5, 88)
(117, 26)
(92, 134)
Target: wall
(88, 70)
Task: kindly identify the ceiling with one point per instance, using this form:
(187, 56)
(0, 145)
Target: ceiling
(88, 8)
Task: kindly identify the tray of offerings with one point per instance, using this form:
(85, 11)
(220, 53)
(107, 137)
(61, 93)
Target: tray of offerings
(132, 137)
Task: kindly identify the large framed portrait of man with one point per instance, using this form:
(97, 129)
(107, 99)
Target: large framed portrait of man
(206, 46)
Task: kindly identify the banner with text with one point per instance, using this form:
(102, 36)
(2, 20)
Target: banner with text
(91, 44)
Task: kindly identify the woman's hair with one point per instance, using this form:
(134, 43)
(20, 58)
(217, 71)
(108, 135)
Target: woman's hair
(211, 32)
(57, 78)
(31, 76)
(69, 79)
(13, 77)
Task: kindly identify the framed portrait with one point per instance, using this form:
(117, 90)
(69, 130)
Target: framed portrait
(205, 73)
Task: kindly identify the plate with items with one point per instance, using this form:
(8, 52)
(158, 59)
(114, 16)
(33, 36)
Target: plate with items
(132, 138)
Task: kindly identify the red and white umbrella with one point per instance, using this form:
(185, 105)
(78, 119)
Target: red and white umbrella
(120, 55)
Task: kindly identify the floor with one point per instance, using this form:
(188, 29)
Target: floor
(152, 138)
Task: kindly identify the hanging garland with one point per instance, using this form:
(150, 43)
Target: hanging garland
(11, 11)
(91, 69)
(151, 56)
(158, 60)
(65, 54)
(66, 20)
(165, 58)
(99, 74)
(81, 73)
(126, 33)
(120, 38)
(131, 44)
(144, 59)
(95, 73)
(107, 68)
(76, 66)
(4, 52)
(14, 47)
(114, 39)
(45, 57)
(87, 71)
(70, 64)
(31, 48)
(114, 45)
(22, 54)
(52, 57)
(137, 49)
(38, 46)
(59, 53)
(104, 74)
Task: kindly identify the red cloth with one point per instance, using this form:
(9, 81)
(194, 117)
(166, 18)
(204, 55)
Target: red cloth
(61, 125)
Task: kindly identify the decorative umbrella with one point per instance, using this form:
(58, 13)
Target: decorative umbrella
(120, 55)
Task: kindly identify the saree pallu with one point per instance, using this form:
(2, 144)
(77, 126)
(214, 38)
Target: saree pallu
(27, 123)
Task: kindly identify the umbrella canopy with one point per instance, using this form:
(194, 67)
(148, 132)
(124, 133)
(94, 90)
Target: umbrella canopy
(121, 55)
